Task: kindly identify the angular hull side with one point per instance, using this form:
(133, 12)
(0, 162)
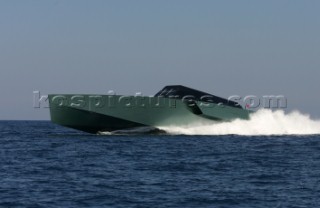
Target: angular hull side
(87, 121)
(93, 113)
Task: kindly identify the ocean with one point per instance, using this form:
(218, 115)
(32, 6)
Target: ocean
(45, 165)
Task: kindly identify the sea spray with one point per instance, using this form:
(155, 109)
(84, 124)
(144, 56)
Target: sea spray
(262, 122)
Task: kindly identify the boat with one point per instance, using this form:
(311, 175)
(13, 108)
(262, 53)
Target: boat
(174, 105)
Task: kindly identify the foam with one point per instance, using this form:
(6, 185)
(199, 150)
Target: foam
(262, 122)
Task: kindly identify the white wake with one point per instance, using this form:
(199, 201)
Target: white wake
(262, 122)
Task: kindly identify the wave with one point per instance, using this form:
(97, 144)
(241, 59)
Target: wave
(135, 130)
(262, 122)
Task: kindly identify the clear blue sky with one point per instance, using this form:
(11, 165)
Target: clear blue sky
(223, 47)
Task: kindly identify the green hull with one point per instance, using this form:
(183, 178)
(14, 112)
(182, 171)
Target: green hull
(94, 113)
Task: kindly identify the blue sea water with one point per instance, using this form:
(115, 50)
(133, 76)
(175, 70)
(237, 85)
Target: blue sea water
(45, 165)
